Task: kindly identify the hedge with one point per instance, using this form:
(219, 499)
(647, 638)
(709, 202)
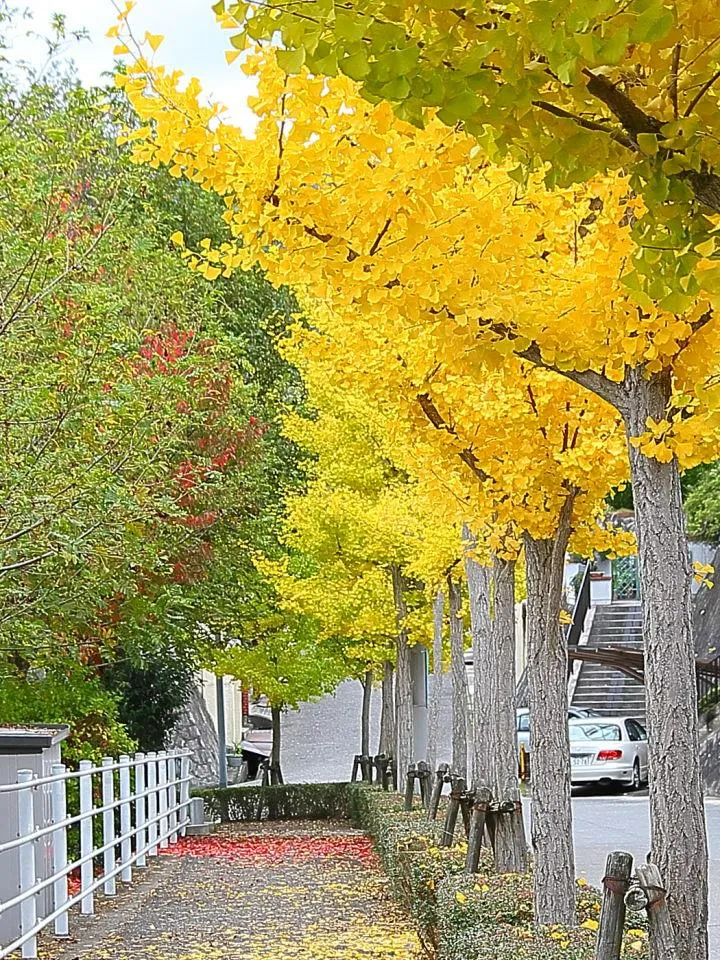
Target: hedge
(485, 916)
(292, 801)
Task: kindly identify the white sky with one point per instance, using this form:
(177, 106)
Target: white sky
(194, 43)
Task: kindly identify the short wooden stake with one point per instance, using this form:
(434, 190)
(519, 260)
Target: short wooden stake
(441, 777)
(410, 787)
(457, 789)
(355, 768)
(423, 775)
(483, 797)
(612, 915)
(661, 932)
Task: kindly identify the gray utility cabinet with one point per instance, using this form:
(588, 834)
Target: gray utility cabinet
(34, 748)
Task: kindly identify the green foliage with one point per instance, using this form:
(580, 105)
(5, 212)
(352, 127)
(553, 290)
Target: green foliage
(151, 696)
(702, 504)
(304, 801)
(69, 693)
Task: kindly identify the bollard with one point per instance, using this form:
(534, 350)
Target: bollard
(59, 850)
(366, 766)
(87, 904)
(108, 796)
(26, 827)
(612, 914)
(140, 807)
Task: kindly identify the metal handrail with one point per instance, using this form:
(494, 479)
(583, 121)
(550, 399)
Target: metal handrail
(129, 764)
(153, 808)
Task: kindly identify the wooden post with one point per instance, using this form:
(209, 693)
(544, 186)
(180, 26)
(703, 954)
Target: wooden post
(483, 797)
(380, 763)
(661, 933)
(423, 775)
(466, 802)
(441, 777)
(410, 787)
(366, 768)
(356, 765)
(612, 915)
(457, 789)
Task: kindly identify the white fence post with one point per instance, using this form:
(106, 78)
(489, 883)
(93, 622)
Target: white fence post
(125, 821)
(26, 827)
(163, 797)
(140, 807)
(152, 803)
(184, 793)
(108, 796)
(173, 797)
(59, 848)
(87, 845)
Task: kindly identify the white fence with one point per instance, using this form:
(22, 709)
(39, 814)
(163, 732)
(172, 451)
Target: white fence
(143, 805)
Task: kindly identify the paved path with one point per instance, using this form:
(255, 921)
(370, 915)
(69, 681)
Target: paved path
(292, 892)
(321, 739)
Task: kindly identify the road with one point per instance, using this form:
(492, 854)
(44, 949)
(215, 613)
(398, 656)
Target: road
(321, 739)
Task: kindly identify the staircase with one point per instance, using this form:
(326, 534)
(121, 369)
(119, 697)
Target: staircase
(601, 688)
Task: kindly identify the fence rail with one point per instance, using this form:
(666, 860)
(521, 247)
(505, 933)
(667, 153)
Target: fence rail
(142, 804)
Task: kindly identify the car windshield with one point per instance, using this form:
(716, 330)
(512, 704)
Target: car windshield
(594, 731)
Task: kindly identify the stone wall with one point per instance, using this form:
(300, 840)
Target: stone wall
(195, 731)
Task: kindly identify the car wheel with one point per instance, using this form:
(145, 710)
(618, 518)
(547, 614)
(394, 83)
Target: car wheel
(636, 781)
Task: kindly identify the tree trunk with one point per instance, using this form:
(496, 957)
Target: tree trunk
(365, 718)
(438, 684)
(386, 744)
(552, 839)
(403, 682)
(275, 771)
(499, 698)
(460, 692)
(679, 843)
(478, 581)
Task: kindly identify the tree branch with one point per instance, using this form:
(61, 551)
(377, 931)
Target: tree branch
(586, 124)
(440, 423)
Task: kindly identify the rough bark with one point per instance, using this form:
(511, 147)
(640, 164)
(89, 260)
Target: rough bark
(499, 700)
(552, 840)
(365, 714)
(478, 581)
(386, 744)
(460, 692)
(679, 843)
(403, 682)
(438, 681)
(275, 771)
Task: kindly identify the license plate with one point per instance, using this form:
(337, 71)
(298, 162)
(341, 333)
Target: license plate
(580, 759)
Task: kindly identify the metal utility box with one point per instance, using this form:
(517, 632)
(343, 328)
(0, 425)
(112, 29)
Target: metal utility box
(35, 748)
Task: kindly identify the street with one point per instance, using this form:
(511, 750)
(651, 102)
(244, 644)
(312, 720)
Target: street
(320, 740)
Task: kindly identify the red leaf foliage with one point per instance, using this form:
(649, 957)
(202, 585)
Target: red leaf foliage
(269, 850)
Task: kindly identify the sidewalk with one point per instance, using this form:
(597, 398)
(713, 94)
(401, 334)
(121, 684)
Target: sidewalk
(263, 892)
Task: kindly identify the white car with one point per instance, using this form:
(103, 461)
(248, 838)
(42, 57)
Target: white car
(608, 750)
(523, 723)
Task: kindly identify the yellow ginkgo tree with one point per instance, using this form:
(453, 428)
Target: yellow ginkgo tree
(412, 232)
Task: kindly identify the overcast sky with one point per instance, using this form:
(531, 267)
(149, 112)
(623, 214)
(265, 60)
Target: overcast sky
(194, 43)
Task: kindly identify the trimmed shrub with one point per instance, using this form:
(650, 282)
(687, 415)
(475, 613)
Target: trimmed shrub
(292, 801)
